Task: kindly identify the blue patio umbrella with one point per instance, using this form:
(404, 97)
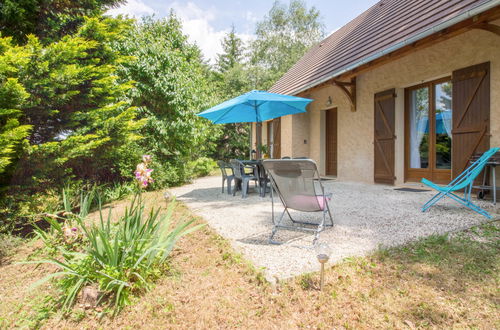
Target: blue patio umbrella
(255, 107)
(441, 118)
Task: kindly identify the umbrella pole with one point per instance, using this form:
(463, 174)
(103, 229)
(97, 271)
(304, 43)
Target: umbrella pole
(251, 140)
(258, 134)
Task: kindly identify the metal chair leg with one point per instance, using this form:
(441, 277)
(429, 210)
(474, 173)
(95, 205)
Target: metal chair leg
(494, 184)
(330, 214)
(276, 226)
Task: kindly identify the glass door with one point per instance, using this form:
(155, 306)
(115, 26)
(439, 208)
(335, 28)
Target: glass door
(428, 131)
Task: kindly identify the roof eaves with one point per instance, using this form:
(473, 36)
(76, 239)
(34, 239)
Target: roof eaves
(472, 12)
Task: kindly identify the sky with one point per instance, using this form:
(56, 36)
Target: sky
(207, 22)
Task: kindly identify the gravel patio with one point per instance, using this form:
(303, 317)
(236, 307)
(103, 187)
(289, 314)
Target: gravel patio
(366, 217)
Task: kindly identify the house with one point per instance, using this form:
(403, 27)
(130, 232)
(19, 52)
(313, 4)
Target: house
(406, 90)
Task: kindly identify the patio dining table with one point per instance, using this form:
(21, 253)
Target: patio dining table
(259, 172)
(489, 170)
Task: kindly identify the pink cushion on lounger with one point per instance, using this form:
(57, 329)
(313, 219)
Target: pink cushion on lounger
(302, 202)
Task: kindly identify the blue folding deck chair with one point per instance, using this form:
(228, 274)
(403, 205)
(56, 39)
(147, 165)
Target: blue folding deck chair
(463, 181)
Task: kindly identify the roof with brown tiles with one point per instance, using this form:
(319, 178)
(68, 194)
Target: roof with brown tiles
(384, 25)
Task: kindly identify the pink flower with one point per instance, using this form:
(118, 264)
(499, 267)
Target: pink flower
(74, 229)
(143, 173)
(69, 232)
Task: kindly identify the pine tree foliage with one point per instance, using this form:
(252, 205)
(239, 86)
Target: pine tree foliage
(233, 141)
(233, 49)
(12, 97)
(49, 20)
(76, 104)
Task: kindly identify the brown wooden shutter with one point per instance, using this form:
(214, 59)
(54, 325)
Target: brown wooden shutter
(276, 138)
(471, 114)
(331, 142)
(384, 137)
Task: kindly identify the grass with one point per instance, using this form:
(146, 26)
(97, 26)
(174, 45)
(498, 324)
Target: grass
(439, 282)
(8, 246)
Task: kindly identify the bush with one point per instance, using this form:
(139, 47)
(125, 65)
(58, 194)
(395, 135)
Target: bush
(116, 191)
(18, 210)
(117, 259)
(202, 166)
(21, 208)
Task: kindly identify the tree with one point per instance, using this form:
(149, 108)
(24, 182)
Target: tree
(283, 37)
(171, 88)
(82, 121)
(12, 97)
(232, 55)
(232, 80)
(47, 19)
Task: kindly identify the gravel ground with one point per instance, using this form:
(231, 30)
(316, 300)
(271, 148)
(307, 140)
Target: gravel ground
(366, 217)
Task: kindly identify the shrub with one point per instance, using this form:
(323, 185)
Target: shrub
(18, 210)
(202, 166)
(65, 235)
(120, 258)
(116, 191)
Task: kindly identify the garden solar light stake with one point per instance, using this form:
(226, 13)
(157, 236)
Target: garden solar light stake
(323, 252)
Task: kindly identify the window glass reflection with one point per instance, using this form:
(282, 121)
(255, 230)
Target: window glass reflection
(419, 128)
(443, 125)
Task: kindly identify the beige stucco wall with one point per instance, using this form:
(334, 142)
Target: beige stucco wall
(286, 136)
(300, 135)
(263, 136)
(355, 129)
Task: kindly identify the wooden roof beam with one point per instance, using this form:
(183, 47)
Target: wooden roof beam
(349, 90)
(488, 27)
